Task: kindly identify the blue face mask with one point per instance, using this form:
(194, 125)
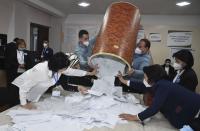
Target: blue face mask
(21, 49)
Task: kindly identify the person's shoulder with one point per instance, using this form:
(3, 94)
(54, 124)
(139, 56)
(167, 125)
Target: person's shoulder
(190, 72)
(41, 64)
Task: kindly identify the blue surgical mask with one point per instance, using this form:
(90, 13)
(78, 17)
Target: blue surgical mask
(21, 49)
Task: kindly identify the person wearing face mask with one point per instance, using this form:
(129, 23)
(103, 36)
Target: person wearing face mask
(75, 64)
(17, 61)
(141, 58)
(169, 69)
(47, 52)
(33, 83)
(178, 105)
(185, 75)
(84, 49)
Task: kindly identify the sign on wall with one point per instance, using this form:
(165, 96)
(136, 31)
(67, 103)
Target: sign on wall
(179, 38)
(141, 35)
(155, 37)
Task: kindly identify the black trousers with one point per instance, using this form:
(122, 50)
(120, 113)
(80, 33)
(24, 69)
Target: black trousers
(67, 82)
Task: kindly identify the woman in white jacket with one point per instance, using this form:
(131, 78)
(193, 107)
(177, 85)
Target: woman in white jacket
(35, 82)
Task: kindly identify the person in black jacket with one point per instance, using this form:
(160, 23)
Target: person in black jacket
(169, 69)
(47, 52)
(185, 76)
(17, 60)
(179, 105)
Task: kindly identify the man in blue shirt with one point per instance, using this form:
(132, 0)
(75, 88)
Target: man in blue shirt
(84, 48)
(141, 59)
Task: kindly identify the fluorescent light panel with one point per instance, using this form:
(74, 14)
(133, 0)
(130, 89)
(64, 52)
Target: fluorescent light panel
(84, 4)
(183, 3)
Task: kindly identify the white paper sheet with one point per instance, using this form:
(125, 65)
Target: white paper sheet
(75, 113)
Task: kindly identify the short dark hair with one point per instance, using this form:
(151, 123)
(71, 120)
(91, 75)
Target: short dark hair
(167, 60)
(46, 41)
(155, 73)
(82, 32)
(185, 56)
(58, 61)
(16, 39)
(147, 43)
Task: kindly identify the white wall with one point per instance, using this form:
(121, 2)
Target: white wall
(151, 24)
(7, 18)
(15, 19)
(24, 15)
(56, 34)
(74, 22)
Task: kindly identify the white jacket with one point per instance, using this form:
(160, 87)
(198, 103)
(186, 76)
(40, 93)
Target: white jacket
(35, 82)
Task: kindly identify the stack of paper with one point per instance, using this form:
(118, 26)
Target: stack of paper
(74, 113)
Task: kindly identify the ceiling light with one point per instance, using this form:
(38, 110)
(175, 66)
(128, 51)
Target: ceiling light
(183, 3)
(84, 4)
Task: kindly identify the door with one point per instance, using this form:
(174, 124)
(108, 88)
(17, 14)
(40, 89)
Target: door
(39, 33)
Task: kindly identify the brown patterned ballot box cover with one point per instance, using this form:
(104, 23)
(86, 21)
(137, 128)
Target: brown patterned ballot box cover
(117, 37)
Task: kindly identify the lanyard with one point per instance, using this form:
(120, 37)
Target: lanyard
(177, 77)
(55, 77)
(44, 50)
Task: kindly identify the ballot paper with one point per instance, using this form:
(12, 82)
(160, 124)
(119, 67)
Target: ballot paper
(75, 112)
(105, 85)
(95, 93)
(108, 66)
(6, 128)
(56, 93)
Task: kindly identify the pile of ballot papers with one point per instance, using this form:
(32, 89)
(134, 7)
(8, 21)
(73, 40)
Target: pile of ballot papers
(100, 107)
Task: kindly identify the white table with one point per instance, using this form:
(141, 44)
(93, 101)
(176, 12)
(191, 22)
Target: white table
(157, 123)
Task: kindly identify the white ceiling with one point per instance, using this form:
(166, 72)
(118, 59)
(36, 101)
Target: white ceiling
(146, 6)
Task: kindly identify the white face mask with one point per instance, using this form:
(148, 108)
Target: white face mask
(45, 44)
(146, 83)
(21, 49)
(138, 51)
(177, 66)
(86, 43)
(167, 64)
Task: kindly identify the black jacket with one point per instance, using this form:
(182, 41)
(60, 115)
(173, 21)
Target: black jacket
(171, 73)
(47, 53)
(189, 80)
(11, 62)
(176, 103)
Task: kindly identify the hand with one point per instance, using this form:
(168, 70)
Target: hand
(95, 71)
(29, 106)
(130, 72)
(119, 75)
(83, 90)
(128, 117)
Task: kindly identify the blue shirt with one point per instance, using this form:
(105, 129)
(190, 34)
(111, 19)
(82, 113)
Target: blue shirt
(84, 52)
(139, 62)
